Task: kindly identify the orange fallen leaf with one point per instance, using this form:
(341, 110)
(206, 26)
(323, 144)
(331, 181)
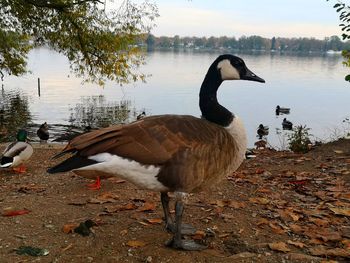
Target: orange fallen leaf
(279, 246)
(296, 243)
(319, 222)
(333, 252)
(69, 228)
(340, 211)
(104, 198)
(297, 229)
(259, 171)
(154, 221)
(135, 244)
(263, 221)
(276, 228)
(15, 212)
(259, 200)
(147, 207)
(236, 204)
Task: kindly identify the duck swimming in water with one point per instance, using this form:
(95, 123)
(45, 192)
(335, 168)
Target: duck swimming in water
(280, 110)
(287, 125)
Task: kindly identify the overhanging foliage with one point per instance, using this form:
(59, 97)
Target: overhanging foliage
(100, 45)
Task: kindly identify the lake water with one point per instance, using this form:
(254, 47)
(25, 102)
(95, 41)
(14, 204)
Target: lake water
(312, 86)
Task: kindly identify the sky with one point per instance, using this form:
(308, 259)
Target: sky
(267, 18)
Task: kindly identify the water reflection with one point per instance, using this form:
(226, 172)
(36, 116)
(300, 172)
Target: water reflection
(14, 114)
(96, 112)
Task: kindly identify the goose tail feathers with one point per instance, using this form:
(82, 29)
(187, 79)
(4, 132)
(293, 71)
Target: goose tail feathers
(72, 163)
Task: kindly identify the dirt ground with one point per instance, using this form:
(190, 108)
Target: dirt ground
(279, 207)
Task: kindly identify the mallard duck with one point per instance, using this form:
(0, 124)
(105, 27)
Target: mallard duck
(262, 131)
(43, 132)
(17, 153)
(280, 110)
(287, 125)
(169, 153)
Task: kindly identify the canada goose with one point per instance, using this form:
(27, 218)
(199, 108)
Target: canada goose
(280, 110)
(262, 131)
(17, 153)
(169, 153)
(43, 132)
(287, 125)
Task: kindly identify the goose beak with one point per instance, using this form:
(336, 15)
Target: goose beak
(251, 76)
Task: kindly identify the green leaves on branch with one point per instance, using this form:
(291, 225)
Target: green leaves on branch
(100, 45)
(344, 17)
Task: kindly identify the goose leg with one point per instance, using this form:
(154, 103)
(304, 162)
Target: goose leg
(186, 229)
(177, 242)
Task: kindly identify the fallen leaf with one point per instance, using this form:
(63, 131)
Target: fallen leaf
(154, 221)
(276, 228)
(66, 248)
(147, 207)
(263, 221)
(135, 244)
(104, 198)
(333, 252)
(15, 212)
(296, 243)
(31, 188)
(69, 228)
(236, 204)
(297, 229)
(299, 182)
(279, 246)
(123, 232)
(259, 200)
(259, 171)
(113, 209)
(340, 211)
(323, 234)
(319, 222)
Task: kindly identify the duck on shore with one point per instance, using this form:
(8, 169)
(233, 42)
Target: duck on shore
(262, 131)
(43, 132)
(17, 153)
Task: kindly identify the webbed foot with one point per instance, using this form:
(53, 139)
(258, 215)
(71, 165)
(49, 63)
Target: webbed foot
(185, 245)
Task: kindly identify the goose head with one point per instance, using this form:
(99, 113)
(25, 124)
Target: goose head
(231, 67)
(225, 67)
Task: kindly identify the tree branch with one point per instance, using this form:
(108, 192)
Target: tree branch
(60, 6)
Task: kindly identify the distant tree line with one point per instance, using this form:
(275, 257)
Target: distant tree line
(249, 43)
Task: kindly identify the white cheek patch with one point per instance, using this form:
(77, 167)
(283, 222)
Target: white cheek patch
(228, 72)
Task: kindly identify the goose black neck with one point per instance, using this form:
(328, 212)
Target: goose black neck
(208, 103)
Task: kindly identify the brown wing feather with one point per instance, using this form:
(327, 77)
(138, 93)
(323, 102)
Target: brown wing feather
(152, 140)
